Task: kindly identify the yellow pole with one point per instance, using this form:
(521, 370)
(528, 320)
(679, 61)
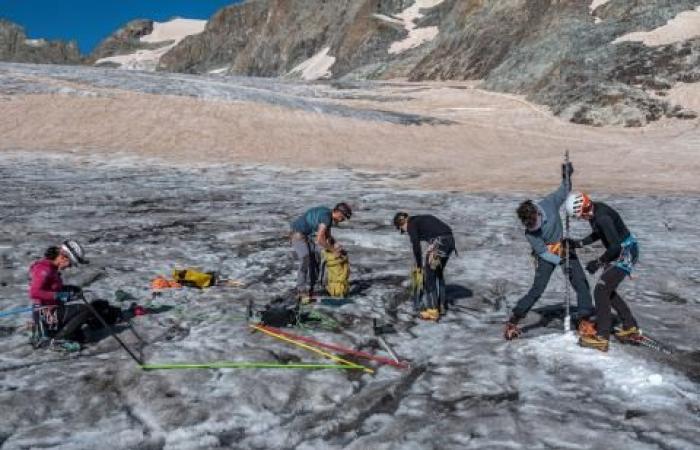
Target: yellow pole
(313, 349)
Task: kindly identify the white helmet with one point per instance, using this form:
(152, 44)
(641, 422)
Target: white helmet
(578, 204)
(74, 252)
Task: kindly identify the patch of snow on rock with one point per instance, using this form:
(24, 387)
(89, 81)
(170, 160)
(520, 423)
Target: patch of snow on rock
(174, 30)
(35, 42)
(416, 36)
(317, 67)
(684, 26)
(595, 4)
(218, 71)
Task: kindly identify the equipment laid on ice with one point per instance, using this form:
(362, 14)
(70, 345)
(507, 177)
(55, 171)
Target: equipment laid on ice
(192, 277)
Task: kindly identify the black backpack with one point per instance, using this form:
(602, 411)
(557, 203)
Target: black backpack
(279, 313)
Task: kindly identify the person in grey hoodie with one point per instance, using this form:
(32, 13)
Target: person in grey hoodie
(544, 232)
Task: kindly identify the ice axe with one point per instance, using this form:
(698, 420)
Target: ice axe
(567, 263)
(379, 330)
(109, 328)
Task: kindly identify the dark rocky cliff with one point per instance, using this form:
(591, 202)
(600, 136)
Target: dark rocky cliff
(16, 47)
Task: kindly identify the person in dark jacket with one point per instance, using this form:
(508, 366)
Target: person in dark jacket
(544, 232)
(618, 260)
(56, 312)
(311, 232)
(440, 245)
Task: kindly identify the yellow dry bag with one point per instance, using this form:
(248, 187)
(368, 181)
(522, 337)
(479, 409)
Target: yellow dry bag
(337, 273)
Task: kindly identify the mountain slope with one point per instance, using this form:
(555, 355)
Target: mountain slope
(272, 37)
(565, 56)
(570, 55)
(16, 47)
(140, 44)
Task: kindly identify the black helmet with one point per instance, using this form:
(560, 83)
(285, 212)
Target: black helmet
(74, 251)
(344, 209)
(399, 219)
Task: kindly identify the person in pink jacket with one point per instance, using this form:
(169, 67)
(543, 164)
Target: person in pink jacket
(53, 311)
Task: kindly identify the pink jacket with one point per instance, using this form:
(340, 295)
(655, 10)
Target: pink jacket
(45, 281)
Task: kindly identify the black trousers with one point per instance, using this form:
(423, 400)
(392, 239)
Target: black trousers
(606, 298)
(543, 273)
(435, 299)
(73, 317)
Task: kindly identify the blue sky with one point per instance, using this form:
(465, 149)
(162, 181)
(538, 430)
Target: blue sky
(90, 21)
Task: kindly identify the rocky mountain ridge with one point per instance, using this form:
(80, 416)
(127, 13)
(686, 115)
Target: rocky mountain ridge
(15, 46)
(567, 54)
(603, 62)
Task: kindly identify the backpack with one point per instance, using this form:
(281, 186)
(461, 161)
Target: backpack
(335, 273)
(194, 278)
(280, 313)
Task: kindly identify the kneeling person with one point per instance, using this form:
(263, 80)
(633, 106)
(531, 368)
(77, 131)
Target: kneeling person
(56, 318)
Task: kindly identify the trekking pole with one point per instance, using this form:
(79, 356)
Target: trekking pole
(111, 331)
(567, 263)
(386, 347)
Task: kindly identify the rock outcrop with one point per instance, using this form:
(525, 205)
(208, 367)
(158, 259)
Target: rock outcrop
(272, 37)
(140, 44)
(564, 55)
(16, 47)
(125, 40)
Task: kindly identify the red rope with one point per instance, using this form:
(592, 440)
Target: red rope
(338, 348)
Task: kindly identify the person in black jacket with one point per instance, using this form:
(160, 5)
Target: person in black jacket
(621, 254)
(441, 243)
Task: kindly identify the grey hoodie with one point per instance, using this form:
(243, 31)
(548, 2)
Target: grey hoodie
(551, 229)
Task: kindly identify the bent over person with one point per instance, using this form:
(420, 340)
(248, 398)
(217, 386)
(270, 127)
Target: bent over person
(441, 243)
(310, 233)
(544, 233)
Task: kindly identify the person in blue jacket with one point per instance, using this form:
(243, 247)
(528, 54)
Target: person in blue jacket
(544, 232)
(310, 233)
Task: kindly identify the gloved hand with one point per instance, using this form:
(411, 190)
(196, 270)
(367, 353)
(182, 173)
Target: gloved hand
(63, 296)
(567, 168)
(416, 278)
(571, 243)
(593, 266)
(75, 290)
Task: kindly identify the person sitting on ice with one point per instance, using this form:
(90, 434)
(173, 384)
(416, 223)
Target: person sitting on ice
(58, 318)
(618, 260)
(441, 243)
(316, 221)
(544, 232)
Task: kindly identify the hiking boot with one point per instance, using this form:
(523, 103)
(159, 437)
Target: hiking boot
(64, 346)
(512, 331)
(305, 299)
(595, 342)
(430, 314)
(586, 328)
(305, 296)
(631, 334)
